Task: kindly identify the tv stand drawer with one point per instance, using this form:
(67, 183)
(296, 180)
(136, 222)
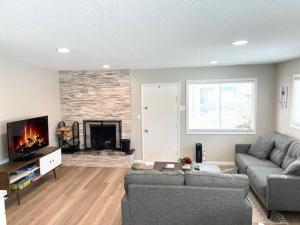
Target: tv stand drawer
(50, 162)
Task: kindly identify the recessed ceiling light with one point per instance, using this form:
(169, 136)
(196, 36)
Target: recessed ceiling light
(240, 43)
(105, 66)
(63, 50)
(214, 62)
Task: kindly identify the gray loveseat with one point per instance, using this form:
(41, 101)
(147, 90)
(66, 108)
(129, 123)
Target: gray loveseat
(278, 192)
(193, 198)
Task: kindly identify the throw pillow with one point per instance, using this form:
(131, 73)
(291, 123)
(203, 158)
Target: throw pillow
(293, 169)
(262, 148)
(292, 154)
(282, 144)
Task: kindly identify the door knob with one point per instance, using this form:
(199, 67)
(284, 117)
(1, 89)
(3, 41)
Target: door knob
(146, 131)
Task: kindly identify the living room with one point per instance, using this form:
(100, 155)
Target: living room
(187, 87)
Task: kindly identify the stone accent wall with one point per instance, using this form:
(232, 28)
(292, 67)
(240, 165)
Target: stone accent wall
(99, 95)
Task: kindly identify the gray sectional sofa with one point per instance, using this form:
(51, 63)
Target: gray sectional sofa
(193, 198)
(267, 177)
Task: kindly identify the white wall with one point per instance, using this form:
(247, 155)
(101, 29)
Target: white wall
(219, 147)
(27, 92)
(285, 73)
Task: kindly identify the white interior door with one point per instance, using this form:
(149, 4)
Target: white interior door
(160, 122)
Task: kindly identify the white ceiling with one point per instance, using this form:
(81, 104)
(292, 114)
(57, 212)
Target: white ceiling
(140, 34)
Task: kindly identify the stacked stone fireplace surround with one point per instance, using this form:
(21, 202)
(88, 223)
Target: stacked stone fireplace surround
(96, 95)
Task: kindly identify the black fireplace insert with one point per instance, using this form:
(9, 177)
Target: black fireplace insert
(102, 134)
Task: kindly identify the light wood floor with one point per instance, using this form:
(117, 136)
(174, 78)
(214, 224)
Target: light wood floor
(80, 196)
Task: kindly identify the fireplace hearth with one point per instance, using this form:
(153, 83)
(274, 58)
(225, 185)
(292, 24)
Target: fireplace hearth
(102, 134)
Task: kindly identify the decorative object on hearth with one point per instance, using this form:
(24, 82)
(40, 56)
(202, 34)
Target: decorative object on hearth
(64, 133)
(68, 137)
(283, 96)
(125, 144)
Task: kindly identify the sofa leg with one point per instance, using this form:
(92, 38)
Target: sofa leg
(269, 214)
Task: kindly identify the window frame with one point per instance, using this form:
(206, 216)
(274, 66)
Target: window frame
(294, 125)
(222, 131)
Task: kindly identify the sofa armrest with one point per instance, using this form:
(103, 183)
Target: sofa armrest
(125, 211)
(242, 148)
(283, 193)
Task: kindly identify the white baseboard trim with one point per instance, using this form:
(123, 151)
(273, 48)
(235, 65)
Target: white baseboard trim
(222, 163)
(4, 161)
(142, 161)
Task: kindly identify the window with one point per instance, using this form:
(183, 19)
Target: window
(296, 103)
(221, 106)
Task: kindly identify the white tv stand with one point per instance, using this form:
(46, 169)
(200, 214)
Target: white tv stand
(10, 173)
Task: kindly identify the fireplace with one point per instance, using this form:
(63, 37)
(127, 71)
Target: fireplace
(102, 134)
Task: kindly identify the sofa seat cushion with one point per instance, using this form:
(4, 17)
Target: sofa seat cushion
(282, 144)
(292, 155)
(217, 180)
(154, 177)
(258, 178)
(244, 160)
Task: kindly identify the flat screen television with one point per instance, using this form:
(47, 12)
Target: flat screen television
(25, 137)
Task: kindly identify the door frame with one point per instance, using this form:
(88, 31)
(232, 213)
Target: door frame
(178, 85)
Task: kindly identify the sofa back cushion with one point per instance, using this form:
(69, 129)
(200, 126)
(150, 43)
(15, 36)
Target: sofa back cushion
(293, 168)
(292, 154)
(217, 180)
(153, 177)
(282, 144)
(262, 147)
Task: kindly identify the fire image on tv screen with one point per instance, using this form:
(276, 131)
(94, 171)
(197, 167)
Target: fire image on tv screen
(26, 136)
